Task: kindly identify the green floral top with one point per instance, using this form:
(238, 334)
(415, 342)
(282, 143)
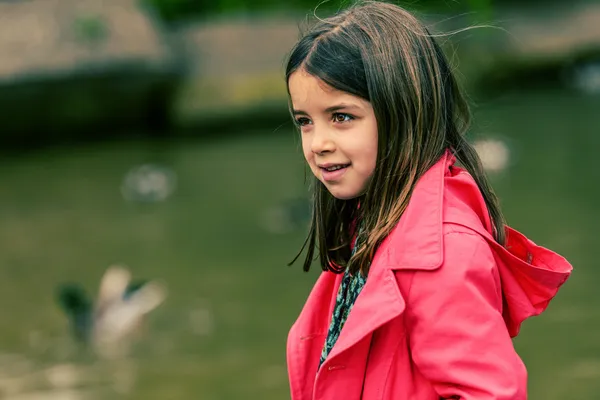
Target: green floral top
(348, 292)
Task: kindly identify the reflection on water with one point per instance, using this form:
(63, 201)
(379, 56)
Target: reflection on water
(586, 77)
(222, 239)
(26, 379)
(148, 183)
(494, 154)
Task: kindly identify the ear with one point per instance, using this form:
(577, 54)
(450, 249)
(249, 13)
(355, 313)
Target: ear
(113, 284)
(148, 297)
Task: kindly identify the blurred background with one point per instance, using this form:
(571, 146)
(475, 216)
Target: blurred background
(154, 134)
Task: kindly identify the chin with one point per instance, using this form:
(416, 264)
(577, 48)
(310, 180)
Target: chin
(343, 194)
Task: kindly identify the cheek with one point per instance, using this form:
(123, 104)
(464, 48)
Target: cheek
(368, 161)
(367, 148)
(373, 146)
(373, 157)
(308, 155)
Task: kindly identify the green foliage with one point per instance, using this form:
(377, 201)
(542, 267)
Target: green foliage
(90, 29)
(482, 7)
(173, 10)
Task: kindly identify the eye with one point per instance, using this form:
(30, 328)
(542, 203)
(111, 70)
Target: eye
(302, 121)
(342, 117)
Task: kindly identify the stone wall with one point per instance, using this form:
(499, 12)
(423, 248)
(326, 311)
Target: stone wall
(82, 65)
(92, 67)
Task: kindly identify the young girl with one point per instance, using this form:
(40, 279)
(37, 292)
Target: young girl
(423, 285)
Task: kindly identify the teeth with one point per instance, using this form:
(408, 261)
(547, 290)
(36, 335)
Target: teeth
(335, 168)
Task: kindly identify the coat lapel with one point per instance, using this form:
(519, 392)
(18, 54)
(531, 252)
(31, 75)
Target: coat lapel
(379, 302)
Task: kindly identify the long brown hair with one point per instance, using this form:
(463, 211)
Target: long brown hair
(383, 54)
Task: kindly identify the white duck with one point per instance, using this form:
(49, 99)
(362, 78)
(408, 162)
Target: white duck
(110, 324)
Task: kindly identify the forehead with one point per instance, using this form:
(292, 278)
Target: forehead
(307, 91)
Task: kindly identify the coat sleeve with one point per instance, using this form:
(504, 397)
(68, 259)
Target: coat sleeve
(457, 336)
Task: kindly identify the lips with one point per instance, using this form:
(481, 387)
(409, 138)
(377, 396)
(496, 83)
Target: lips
(333, 172)
(333, 167)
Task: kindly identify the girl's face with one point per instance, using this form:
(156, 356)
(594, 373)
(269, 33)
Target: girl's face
(339, 134)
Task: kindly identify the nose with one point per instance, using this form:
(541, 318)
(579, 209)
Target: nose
(322, 141)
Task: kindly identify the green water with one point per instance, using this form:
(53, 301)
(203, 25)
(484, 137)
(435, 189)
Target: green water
(221, 333)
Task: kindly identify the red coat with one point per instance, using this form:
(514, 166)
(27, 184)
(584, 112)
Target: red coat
(437, 314)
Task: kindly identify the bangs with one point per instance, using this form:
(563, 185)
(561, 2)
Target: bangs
(333, 57)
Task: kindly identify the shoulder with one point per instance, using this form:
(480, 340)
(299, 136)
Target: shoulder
(465, 248)
(463, 203)
(465, 228)
(468, 265)
(444, 218)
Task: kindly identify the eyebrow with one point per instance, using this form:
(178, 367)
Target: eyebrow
(331, 109)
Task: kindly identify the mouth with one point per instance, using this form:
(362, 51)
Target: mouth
(333, 172)
(333, 167)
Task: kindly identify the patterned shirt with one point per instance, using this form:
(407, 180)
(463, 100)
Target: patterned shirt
(349, 290)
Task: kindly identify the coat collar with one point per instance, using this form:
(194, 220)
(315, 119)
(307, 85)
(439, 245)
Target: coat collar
(419, 230)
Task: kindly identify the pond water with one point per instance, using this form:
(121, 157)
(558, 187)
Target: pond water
(219, 239)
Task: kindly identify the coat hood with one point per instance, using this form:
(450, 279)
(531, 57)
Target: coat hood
(530, 274)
